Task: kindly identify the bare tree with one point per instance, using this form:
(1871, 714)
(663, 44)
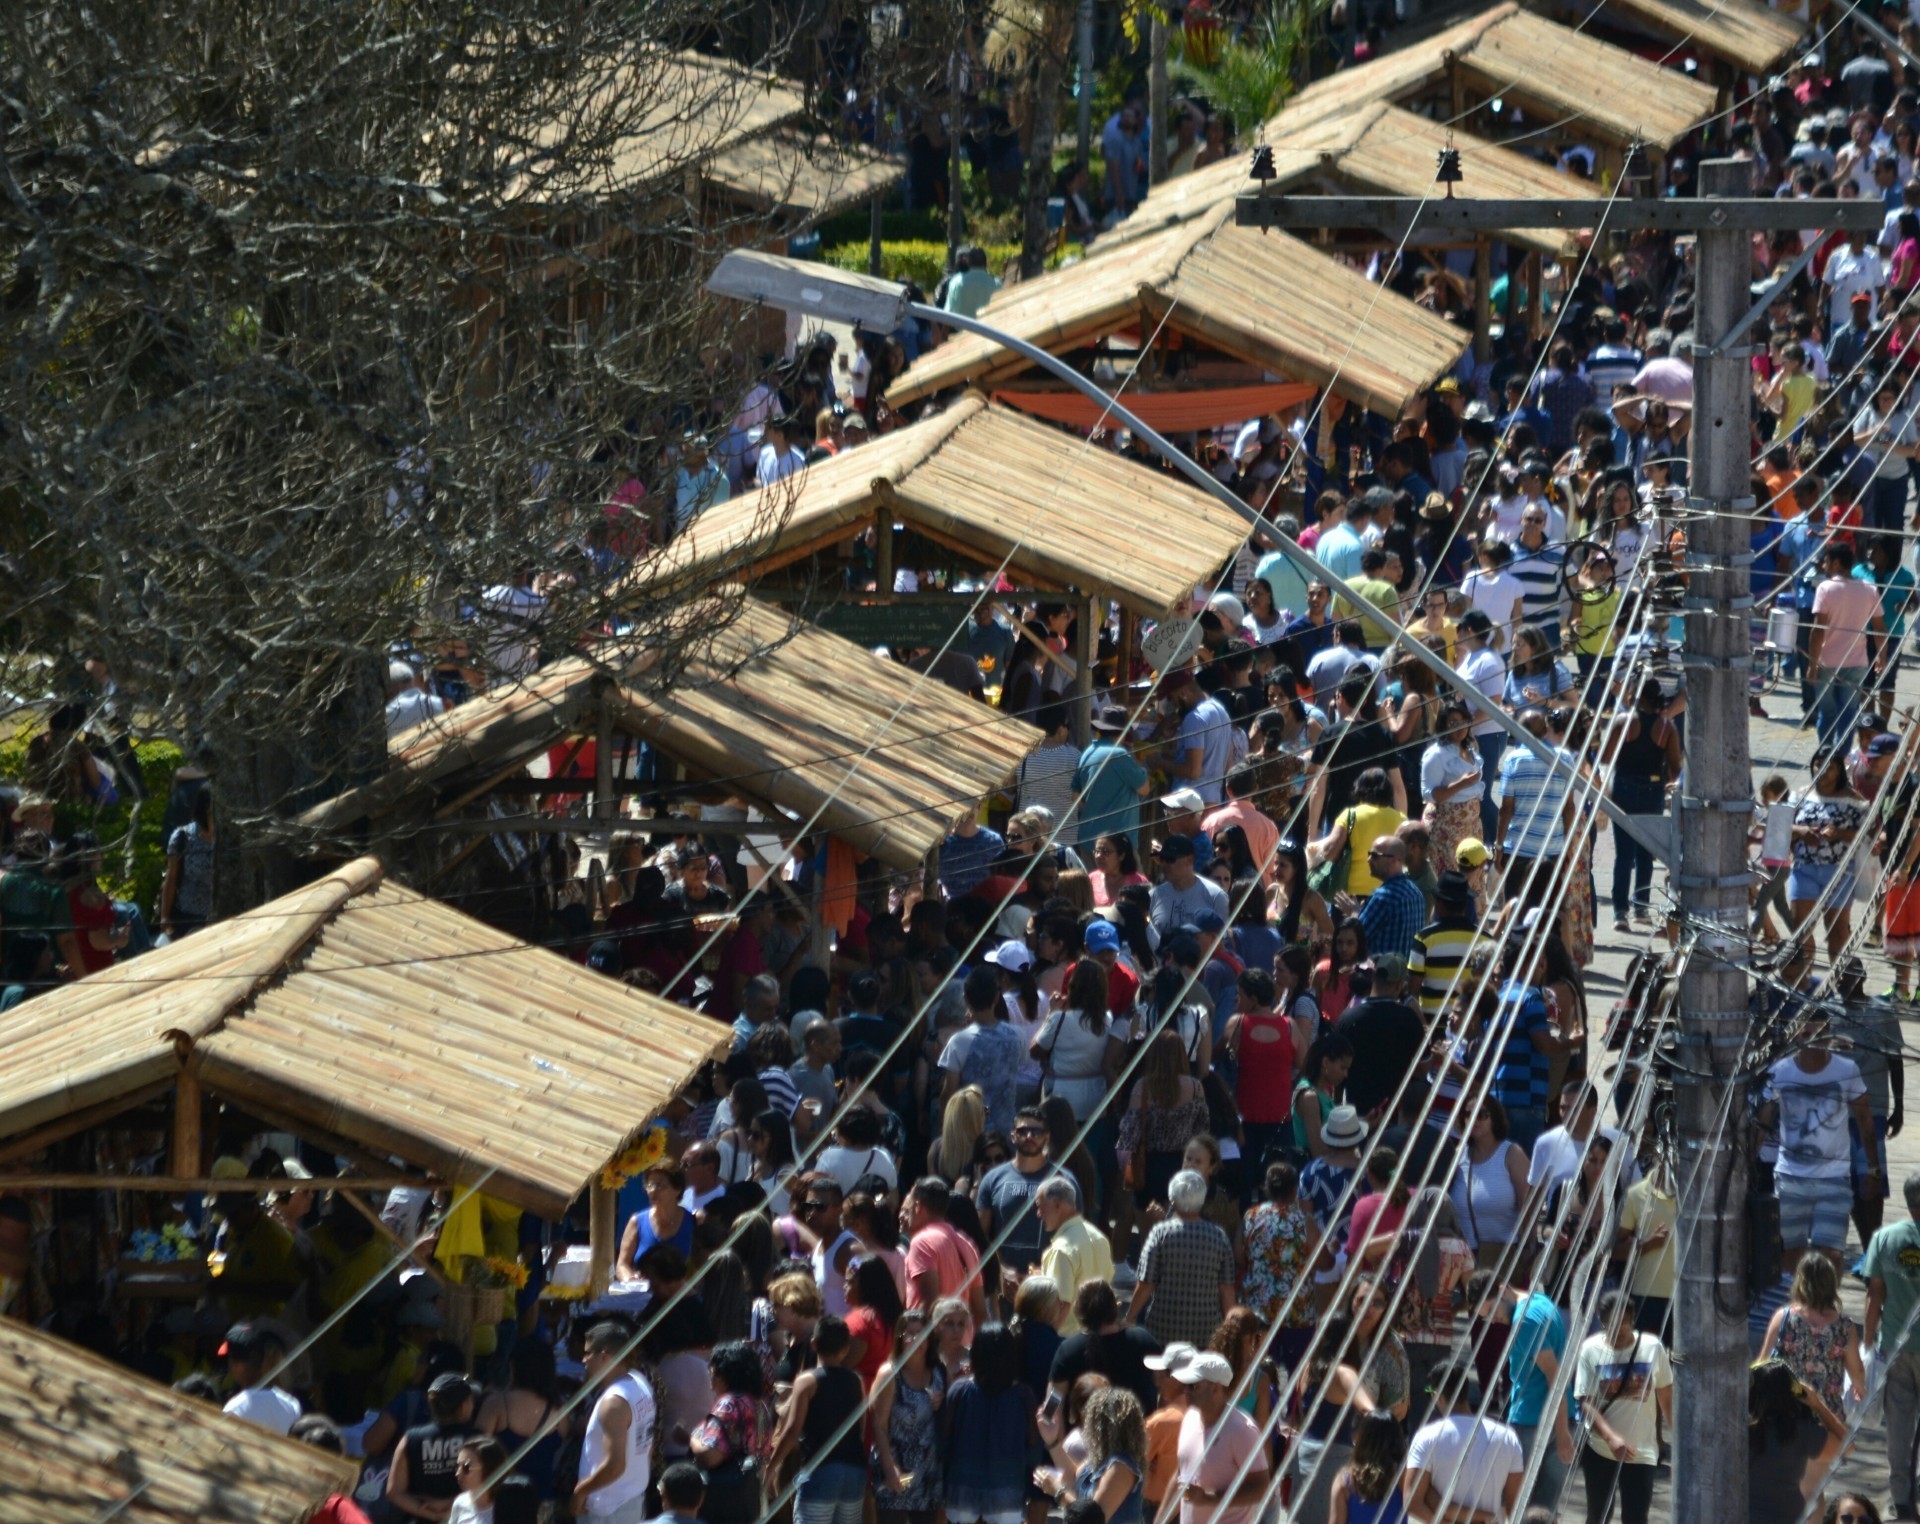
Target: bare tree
(325, 326)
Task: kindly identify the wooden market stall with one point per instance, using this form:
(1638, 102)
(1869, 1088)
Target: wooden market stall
(82, 1439)
(1266, 299)
(374, 1022)
(806, 723)
(1741, 36)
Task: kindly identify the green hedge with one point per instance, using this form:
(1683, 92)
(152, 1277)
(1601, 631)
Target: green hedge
(139, 879)
(922, 260)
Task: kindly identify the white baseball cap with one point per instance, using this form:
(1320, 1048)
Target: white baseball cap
(1172, 1359)
(1206, 1366)
(1013, 955)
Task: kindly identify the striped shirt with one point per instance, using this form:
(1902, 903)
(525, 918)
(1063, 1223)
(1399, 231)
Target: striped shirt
(1439, 950)
(1538, 573)
(1522, 1075)
(1539, 794)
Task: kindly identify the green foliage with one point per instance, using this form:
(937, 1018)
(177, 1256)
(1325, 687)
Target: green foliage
(1253, 74)
(134, 856)
(895, 225)
(925, 261)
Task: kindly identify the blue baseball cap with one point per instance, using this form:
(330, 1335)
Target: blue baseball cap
(1103, 936)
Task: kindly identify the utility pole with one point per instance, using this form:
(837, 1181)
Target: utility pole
(1710, 875)
(1716, 807)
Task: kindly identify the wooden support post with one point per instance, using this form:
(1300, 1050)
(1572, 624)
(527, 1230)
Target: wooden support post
(1536, 295)
(606, 805)
(1483, 299)
(603, 1238)
(1456, 87)
(1085, 648)
(184, 1157)
(883, 548)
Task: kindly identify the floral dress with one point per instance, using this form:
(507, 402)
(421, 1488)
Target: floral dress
(1280, 1243)
(1818, 1356)
(740, 1429)
(913, 1429)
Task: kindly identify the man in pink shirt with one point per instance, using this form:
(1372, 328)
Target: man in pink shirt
(1846, 612)
(941, 1262)
(1216, 1441)
(1263, 836)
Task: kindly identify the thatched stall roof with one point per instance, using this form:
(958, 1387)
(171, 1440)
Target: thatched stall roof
(987, 481)
(807, 178)
(1750, 36)
(82, 1439)
(1266, 298)
(1378, 149)
(1602, 92)
(360, 1010)
(787, 713)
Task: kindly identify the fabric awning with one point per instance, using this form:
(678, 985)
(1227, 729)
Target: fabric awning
(1168, 412)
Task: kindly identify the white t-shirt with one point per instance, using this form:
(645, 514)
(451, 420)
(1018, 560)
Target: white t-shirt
(1557, 1155)
(1442, 764)
(1619, 1384)
(1813, 1116)
(847, 1165)
(410, 707)
(1848, 272)
(1487, 671)
(1495, 594)
(1469, 1458)
(511, 611)
(466, 1511)
(267, 1406)
(632, 1482)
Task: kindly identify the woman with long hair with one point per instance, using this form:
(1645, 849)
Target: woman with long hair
(1851, 1508)
(961, 1125)
(1115, 1433)
(746, 1099)
(904, 1414)
(1829, 816)
(726, 1294)
(1293, 900)
(989, 1425)
(1378, 1350)
(1646, 758)
(1076, 1045)
(770, 1138)
(1115, 865)
(1408, 709)
(1279, 1237)
(1451, 779)
(1793, 1439)
(873, 1307)
(732, 1443)
(1169, 1008)
(1132, 912)
(1490, 1187)
(1332, 977)
(1373, 1229)
(1534, 677)
(1323, 1076)
(1242, 1338)
(1370, 816)
(1168, 1107)
(1367, 1490)
(1817, 1340)
(1231, 847)
(517, 1414)
(878, 1230)
(1327, 1400)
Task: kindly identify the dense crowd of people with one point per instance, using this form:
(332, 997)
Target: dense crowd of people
(1213, 1128)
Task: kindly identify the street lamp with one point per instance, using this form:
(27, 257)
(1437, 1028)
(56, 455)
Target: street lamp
(865, 301)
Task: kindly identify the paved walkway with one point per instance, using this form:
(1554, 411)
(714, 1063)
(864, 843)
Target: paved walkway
(1778, 746)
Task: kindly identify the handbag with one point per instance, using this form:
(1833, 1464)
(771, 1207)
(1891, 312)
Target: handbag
(1331, 877)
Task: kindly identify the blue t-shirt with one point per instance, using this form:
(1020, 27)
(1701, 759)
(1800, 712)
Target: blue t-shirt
(1521, 1077)
(1208, 729)
(1537, 1325)
(1288, 581)
(1109, 779)
(966, 860)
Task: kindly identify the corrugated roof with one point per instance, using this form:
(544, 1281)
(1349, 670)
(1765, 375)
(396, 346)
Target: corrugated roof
(370, 1011)
(1266, 298)
(990, 481)
(1604, 91)
(792, 715)
(82, 1439)
(796, 173)
(1750, 36)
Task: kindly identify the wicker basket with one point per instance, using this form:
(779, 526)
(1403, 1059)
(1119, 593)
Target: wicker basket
(471, 1307)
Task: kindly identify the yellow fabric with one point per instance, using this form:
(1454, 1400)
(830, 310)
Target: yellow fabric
(1369, 823)
(463, 1235)
(262, 1269)
(1446, 629)
(1646, 1211)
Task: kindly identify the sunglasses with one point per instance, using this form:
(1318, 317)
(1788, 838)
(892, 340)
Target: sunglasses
(813, 1206)
(1029, 1132)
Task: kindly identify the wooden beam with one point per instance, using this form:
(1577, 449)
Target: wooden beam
(487, 784)
(883, 548)
(606, 807)
(603, 1238)
(187, 1185)
(29, 1144)
(425, 1261)
(1483, 298)
(1482, 213)
(188, 1109)
(1086, 647)
(578, 825)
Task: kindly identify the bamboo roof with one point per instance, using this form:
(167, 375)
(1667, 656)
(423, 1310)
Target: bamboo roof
(793, 172)
(990, 482)
(698, 108)
(789, 714)
(372, 1013)
(83, 1439)
(1266, 298)
(1379, 149)
(1744, 33)
(1601, 91)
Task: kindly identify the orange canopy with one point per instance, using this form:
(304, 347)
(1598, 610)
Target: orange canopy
(1169, 412)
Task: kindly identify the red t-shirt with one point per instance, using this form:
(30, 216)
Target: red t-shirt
(1123, 988)
(88, 918)
(865, 1323)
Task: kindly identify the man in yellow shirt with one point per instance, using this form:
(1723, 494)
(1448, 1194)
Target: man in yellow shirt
(1380, 606)
(1076, 1251)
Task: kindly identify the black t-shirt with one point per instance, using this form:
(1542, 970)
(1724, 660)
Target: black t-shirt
(1119, 1356)
(1388, 1039)
(432, 1452)
(1346, 754)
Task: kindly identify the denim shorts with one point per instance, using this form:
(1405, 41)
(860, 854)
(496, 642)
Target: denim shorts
(1806, 881)
(831, 1493)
